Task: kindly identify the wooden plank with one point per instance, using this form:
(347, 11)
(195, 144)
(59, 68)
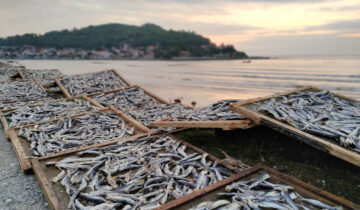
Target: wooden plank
(201, 192)
(210, 193)
(20, 72)
(5, 125)
(128, 116)
(162, 101)
(62, 88)
(320, 143)
(94, 102)
(36, 82)
(224, 124)
(24, 160)
(22, 146)
(130, 119)
(122, 78)
(111, 91)
(60, 198)
(275, 95)
(321, 193)
(45, 185)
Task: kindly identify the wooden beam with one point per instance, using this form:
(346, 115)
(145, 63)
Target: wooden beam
(46, 186)
(62, 88)
(20, 153)
(226, 124)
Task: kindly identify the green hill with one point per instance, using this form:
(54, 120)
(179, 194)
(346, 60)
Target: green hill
(169, 42)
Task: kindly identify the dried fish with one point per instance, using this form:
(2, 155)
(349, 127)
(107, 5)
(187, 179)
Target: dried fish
(8, 73)
(319, 113)
(136, 174)
(9, 70)
(258, 193)
(217, 111)
(70, 132)
(44, 76)
(35, 114)
(128, 99)
(92, 83)
(20, 93)
(162, 111)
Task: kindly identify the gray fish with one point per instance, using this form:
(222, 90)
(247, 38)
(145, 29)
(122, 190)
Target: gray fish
(156, 179)
(40, 113)
(20, 93)
(92, 83)
(217, 111)
(257, 193)
(70, 132)
(319, 113)
(128, 99)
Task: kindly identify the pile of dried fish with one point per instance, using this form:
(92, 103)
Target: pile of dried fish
(7, 72)
(319, 113)
(92, 128)
(44, 76)
(20, 93)
(162, 111)
(258, 193)
(217, 111)
(41, 113)
(92, 83)
(126, 99)
(135, 174)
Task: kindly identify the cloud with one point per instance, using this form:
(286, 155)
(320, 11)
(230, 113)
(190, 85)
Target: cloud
(340, 9)
(345, 26)
(321, 44)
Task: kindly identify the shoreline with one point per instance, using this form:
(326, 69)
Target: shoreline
(145, 59)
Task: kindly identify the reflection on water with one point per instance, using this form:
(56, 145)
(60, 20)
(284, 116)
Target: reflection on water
(208, 81)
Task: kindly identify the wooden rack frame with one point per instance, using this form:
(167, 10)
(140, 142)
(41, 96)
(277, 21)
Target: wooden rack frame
(59, 200)
(23, 150)
(66, 92)
(245, 108)
(210, 193)
(5, 122)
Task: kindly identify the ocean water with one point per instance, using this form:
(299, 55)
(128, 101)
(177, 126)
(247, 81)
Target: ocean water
(208, 81)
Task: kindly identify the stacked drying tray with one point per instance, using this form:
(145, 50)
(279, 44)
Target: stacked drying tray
(90, 151)
(326, 121)
(70, 133)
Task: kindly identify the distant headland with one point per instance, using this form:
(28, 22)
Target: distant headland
(116, 41)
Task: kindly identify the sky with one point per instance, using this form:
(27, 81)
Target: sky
(258, 27)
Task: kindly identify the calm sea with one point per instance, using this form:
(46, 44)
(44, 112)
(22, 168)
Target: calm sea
(208, 81)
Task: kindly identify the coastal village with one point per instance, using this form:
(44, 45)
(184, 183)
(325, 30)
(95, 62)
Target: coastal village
(125, 51)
